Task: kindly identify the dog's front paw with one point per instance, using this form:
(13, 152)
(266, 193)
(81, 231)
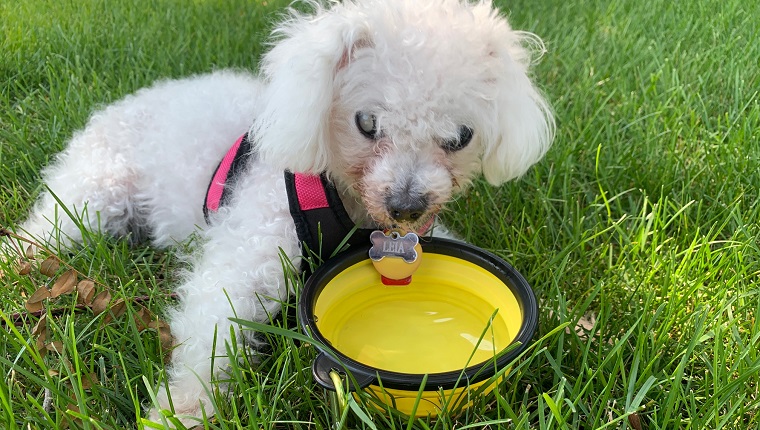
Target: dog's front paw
(165, 418)
(188, 409)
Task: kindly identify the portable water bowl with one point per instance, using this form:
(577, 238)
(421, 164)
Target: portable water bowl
(464, 315)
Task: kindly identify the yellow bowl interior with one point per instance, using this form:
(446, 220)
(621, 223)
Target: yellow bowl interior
(441, 322)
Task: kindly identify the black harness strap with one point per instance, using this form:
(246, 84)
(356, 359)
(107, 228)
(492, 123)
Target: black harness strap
(323, 231)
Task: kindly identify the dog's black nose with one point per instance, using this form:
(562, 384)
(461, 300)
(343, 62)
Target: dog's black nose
(406, 208)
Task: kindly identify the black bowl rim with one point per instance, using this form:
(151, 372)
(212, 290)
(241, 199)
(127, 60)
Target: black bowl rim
(412, 381)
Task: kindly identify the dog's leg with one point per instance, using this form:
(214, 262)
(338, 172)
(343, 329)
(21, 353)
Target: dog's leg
(237, 273)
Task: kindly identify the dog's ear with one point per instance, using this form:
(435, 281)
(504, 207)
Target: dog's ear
(291, 130)
(522, 126)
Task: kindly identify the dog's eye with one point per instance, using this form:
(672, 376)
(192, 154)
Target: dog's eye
(367, 124)
(453, 145)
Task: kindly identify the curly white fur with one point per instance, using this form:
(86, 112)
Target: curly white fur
(424, 71)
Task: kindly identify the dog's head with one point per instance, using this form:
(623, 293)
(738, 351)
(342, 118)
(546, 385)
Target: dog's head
(403, 102)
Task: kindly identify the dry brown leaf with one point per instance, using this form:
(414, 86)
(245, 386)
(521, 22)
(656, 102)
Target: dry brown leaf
(64, 284)
(635, 421)
(33, 307)
(85, 290)
(40, 345)
(165, 330)
(50, 266)
(117, 309)
(65, 423)
(24, 268)
(143, 318)
(584, 326)
(167, 348)
(89, 380)
(41, 294)
(74, 408)
(158, 324)
(41, 327)
(56, 346)
(586, 322)
(52, 372)
(166, 338)
(100, 302)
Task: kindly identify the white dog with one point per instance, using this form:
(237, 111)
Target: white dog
(400, 103)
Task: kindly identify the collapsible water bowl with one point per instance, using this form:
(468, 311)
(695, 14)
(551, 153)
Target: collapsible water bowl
(463, 318)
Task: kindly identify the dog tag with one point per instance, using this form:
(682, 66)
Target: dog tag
(393, 245)
(395, 256)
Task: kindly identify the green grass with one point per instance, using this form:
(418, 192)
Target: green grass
(645, 215)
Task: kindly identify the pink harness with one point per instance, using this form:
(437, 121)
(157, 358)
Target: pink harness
(223, 175)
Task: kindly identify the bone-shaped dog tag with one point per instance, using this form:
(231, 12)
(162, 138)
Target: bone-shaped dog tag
(393, 245)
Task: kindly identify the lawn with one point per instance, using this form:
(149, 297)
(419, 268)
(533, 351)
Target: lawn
(640, 231)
